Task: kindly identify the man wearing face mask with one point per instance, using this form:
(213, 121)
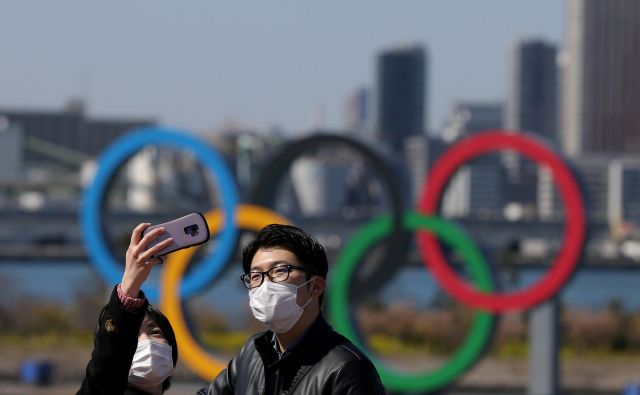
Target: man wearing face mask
(285, 274)
(135, 349)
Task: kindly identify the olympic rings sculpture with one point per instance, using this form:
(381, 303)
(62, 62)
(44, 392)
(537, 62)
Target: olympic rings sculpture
(429, 227)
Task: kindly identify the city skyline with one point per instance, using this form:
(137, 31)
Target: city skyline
(198, 76)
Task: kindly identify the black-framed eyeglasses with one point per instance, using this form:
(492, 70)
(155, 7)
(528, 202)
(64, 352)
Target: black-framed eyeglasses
(277, 274)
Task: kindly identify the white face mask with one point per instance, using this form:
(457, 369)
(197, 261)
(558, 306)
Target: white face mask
(152, 364)
(275, 305)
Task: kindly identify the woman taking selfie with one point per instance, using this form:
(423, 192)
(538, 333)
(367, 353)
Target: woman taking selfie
(135, 349)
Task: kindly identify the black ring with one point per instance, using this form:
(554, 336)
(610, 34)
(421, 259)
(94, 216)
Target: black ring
(264, 192)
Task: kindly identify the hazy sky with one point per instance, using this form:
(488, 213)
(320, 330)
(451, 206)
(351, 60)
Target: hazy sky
(201, 64)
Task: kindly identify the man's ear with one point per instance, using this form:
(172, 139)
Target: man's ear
(318, 285)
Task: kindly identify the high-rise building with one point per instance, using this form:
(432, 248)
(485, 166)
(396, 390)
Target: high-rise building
(600, 78)
(532, 107)
(532, 104)
(402, 102)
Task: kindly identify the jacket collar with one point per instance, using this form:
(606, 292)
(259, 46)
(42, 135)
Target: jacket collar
(314, 341)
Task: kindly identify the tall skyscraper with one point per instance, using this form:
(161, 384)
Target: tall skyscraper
(601, 82)
(532, 107)
(401, 95)
(533, 103)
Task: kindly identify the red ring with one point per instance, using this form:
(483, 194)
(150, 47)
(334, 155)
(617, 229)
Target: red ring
(574, 234)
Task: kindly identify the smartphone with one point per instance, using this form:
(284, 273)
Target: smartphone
(187, 231)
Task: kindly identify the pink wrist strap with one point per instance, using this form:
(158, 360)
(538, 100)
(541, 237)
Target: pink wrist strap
(128, 302)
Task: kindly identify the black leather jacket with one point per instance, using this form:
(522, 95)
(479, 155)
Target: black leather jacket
(323, 362)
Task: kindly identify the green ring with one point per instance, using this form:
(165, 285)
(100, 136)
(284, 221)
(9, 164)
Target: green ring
(483, 322)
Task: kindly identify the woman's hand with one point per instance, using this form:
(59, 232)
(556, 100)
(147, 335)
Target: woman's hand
(139, 260)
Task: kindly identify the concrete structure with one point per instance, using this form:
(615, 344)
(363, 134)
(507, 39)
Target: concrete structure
(601, 83)
(11, 152)
(70, 130)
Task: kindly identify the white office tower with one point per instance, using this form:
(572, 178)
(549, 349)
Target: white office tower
(319, 185)
(600, 77)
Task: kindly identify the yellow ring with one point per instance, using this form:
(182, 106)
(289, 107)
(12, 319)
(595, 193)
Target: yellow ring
(194, 356)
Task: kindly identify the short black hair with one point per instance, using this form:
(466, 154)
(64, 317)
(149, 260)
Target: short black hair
(309, 252)
(167, 331)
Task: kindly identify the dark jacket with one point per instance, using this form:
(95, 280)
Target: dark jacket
(114, 343)
(323, 362)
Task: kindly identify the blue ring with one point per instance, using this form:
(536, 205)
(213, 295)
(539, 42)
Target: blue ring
(111, 160)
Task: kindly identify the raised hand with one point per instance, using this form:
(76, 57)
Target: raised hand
(139, 260)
